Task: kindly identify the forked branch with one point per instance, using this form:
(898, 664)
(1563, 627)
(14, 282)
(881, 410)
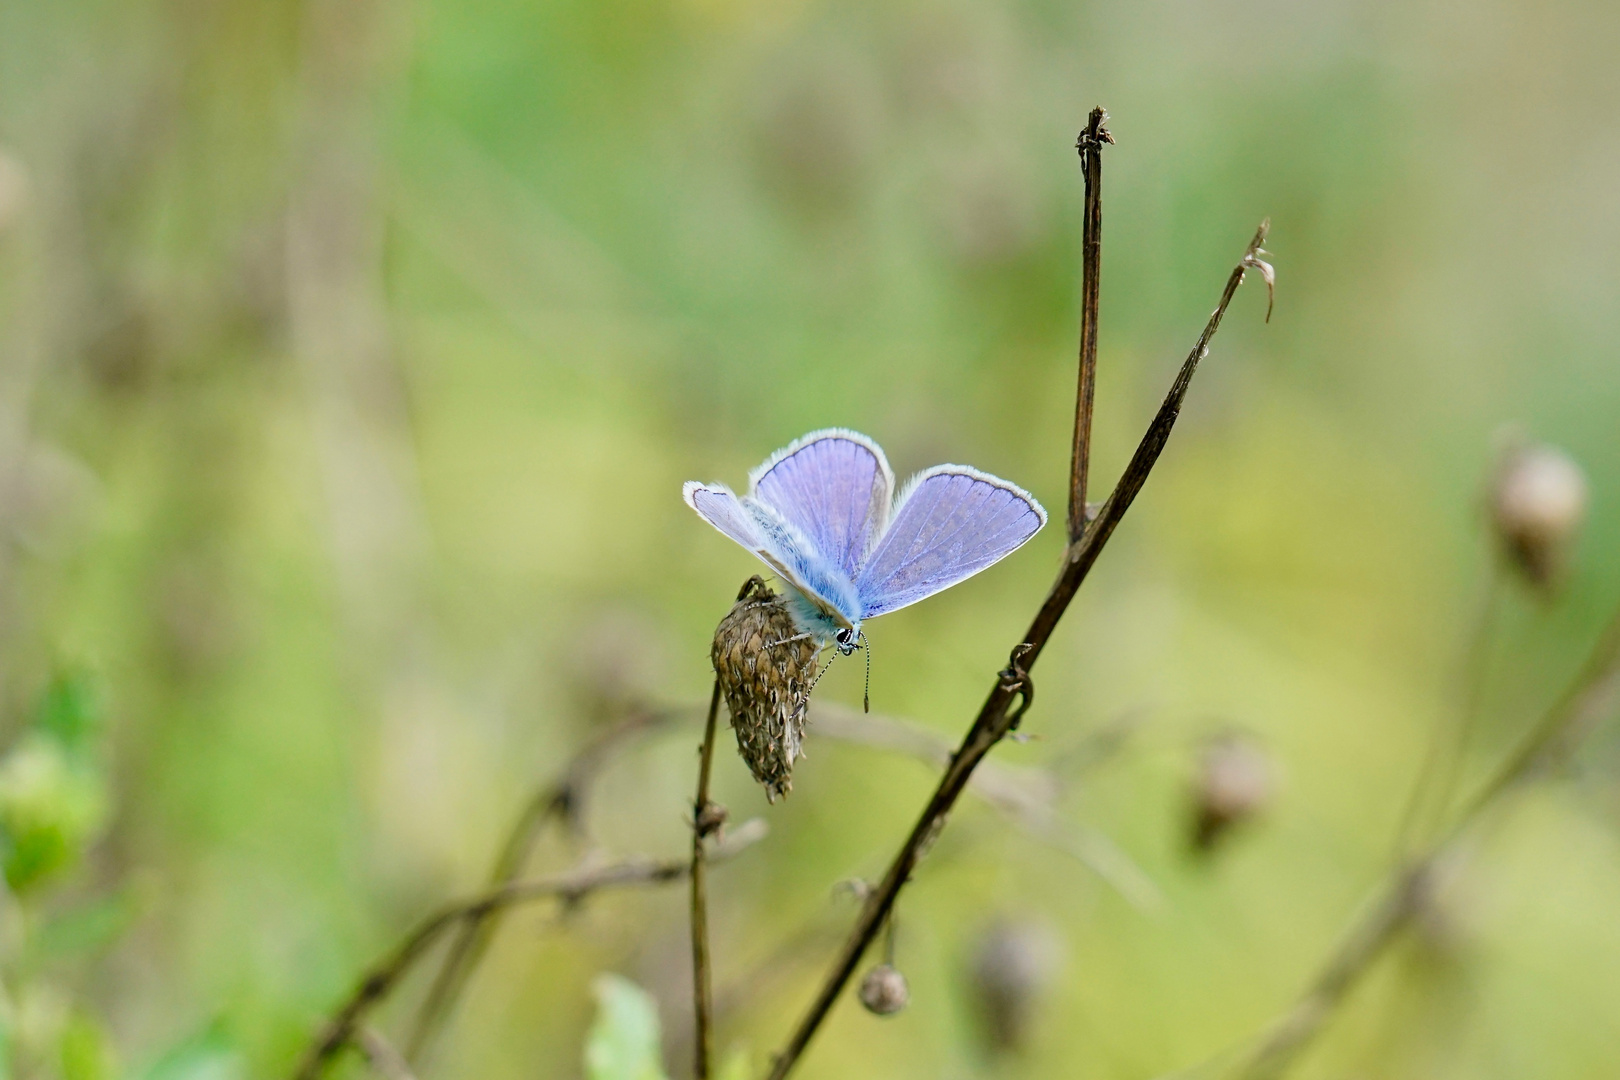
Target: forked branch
(562, 800)
(1593, 696)
(1009, 790)
(996, 718)
(570, 887)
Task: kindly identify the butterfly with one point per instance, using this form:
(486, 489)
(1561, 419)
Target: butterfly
(821, 514)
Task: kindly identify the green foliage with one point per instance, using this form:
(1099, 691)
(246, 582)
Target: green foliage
(82, 930)
(69, 711)
(211, 1054)
(735, 1066)
(87, 1052)
(624, 1041)
(51, 805)
(53, 798)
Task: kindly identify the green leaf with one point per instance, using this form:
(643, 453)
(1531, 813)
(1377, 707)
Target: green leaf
(624, 1042)
(86, 1050)
(69, 711)
(51, 807)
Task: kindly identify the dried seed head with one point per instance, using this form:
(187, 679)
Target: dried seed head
(1234, 784)
(884, 991)
(1012, 964)
(1538, 502)
(766, 668)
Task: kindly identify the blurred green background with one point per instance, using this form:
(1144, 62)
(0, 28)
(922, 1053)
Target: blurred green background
(352, 354)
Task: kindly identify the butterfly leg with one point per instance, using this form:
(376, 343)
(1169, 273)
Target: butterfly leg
(754, 587)
(819, 674)
(789, 640)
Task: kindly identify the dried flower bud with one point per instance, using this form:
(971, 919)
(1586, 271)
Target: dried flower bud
(884, 991)
(1012, 964)
(1234, 783)
(1538, 502)
(766, 668)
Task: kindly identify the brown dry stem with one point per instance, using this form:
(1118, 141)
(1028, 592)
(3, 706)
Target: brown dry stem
(996, 717)
(562, 800)
(1089, 144)
(1593, 696)
(570, 887)
(706, 819)
(386, 1061)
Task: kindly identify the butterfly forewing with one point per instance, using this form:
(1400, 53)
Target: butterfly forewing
(951, 523)
(834, 487)
(817, 514)
(780, 546)
(721, 508)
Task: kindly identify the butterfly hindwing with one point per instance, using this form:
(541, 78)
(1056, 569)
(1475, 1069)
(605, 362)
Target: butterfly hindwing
(834, 487)
(950, 523)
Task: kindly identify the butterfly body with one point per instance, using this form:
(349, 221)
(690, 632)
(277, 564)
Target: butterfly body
(821, 514)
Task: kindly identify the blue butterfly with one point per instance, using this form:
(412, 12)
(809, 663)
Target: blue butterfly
(820, 513)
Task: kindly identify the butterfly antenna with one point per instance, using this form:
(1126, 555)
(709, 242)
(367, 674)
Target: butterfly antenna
(866, 697)
(819, 674)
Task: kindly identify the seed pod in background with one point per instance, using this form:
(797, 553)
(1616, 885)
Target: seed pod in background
(884, 991)
(766, 677)
(1447, 916)
(1538, 503)
(1234, 783)
(1012, 965)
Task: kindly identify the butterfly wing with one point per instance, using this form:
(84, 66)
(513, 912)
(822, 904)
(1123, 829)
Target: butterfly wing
(720, 507)
(834, 487)
(950, 523)
(780, 546)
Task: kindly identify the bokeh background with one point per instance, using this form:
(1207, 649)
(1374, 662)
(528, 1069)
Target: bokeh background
(352, 354)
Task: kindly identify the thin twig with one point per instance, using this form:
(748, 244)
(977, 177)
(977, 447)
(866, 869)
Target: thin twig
(815, 936)
(387, 1061)
(563, 799)
(1591, 697)
(1026, 795)
(1090, 144)
(706, 819)
(1083, 553)
(1029, 792)
(570, 887)
(994, 720)
(1431, 794)
(994, 780)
